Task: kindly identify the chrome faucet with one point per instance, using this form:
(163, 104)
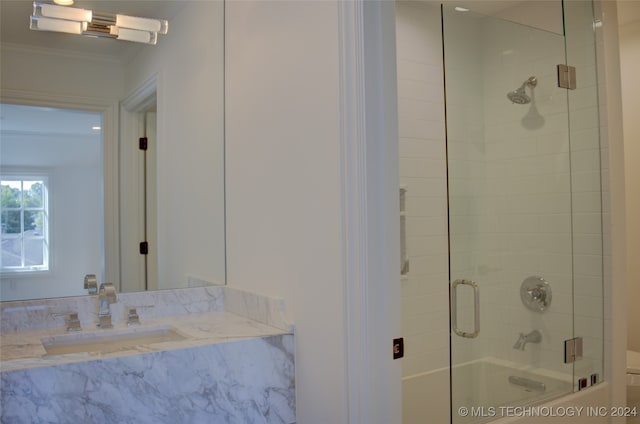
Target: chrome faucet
(533, 337)
(106, 296)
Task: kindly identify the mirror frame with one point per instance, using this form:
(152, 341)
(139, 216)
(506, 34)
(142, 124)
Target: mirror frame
(110, 129)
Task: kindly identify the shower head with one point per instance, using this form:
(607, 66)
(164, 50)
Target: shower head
(520, 96)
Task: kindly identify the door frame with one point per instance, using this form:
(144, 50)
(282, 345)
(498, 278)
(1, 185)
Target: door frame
(370, 214)
(132, 110)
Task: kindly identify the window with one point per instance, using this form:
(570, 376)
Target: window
(25, 223)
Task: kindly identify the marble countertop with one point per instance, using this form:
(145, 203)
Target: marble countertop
(24, 349)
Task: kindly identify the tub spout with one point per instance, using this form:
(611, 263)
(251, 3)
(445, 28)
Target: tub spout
(533, 337)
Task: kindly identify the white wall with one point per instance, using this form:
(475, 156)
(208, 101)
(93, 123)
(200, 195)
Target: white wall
(190, 151)
(630, 69)
(312, 192)
(60, 72)
(283, 182)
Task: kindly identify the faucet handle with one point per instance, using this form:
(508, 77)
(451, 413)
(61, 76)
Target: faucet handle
(73, 323)
(133, 318)
(91, 283)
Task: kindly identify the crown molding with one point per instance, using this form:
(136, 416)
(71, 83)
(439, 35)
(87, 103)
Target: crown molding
(60, 53)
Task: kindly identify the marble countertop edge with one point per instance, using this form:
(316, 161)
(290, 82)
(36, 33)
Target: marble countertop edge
(24, 349)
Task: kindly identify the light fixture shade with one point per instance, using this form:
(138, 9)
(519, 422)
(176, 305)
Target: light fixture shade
(134, 35)
(50, 17)
(61, 12)
(143, 24)
(56, 25)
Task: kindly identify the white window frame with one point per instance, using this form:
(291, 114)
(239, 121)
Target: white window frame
(17, 174)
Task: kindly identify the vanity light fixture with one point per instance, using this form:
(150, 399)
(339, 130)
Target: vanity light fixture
(71, 20)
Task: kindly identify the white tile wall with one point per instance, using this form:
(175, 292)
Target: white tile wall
(513, 169)
(512, 179)
(425, 293)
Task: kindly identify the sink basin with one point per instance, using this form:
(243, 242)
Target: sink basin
(106, 341)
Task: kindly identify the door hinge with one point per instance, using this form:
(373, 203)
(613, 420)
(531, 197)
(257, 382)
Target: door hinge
(572, 350)
(398, 348)
(144, 248)
(567, 77)
(143, 143)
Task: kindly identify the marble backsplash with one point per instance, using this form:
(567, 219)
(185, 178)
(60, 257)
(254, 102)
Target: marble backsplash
(51, 313)
(267, 310)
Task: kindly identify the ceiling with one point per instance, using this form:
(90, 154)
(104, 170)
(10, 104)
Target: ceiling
(628, 12)
(47, 120)
(48, 137)
(14, 26)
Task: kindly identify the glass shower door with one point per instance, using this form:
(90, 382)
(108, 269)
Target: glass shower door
(510, 215)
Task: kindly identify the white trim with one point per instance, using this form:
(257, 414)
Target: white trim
(370, 217)
(132, 109)
(109, 110)
(353, 192)
(143, 97)
(611, 129)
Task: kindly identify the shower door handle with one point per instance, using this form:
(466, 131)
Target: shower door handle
(476, 308)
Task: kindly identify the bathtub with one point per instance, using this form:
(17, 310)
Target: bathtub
(482, 386)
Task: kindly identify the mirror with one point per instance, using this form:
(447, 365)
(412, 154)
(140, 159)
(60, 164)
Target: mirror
(172, 94)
